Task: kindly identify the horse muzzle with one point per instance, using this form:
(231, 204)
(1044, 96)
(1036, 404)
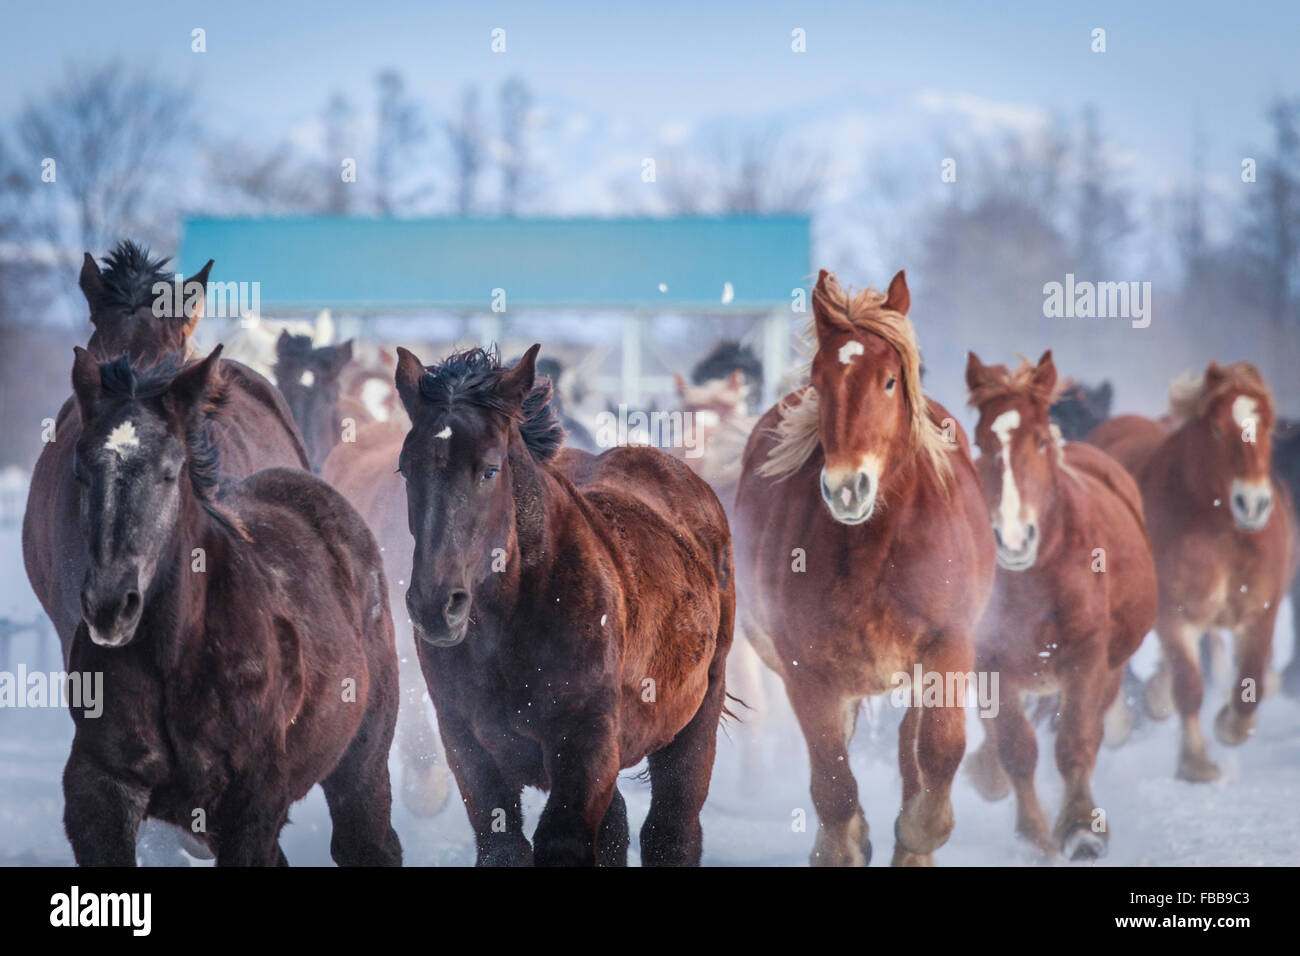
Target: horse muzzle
(442, 622)
(112, 614)
(1017, 551)
(849, 496)
(1251, 504)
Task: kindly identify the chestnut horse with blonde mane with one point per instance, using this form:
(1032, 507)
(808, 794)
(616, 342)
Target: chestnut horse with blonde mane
(863, 548)
(1222, 530)
(1074, 595)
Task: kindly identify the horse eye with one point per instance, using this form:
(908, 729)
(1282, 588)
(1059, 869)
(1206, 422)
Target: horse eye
(489, 473)
(889, 386)
(1042, 444)
(169, 475)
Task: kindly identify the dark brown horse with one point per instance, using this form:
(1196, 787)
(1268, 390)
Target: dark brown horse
(575, 614)
(365, 472)
(1222, 529)
(863, 548)
(243, 631)
(255, 432)
(309, 379)
(1074, 595)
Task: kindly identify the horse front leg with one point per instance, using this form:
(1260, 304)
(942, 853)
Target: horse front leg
(925, 821)
(1086, 695)
(491, 802)
(1253, 643)
(102, 812)
(582, 763)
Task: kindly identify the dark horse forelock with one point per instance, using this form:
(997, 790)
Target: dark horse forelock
(129, 277)
(119, 378)
(470, 377)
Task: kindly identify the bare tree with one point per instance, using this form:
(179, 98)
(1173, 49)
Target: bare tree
(399, 179)
(752, 171)
(116, 140)
(516, 102)
(467, 145)
(1102, 217)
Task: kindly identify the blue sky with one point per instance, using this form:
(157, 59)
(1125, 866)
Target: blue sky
(270, 65)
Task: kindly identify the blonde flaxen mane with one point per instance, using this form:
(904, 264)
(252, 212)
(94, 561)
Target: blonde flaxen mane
(1190, 396)
(797, 427)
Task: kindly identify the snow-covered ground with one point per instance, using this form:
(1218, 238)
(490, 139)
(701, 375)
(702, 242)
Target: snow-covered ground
(1251, 816)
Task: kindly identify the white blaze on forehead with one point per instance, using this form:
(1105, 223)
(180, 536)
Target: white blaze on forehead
(445, 433)
(1244, 410)
(1009, 505)
(122, 438)
(308, 378)
(848, 350)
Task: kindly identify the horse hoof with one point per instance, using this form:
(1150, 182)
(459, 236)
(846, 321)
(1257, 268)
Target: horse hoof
(1231, 728)
(425, 790)
(1159, 696)
(904, 857)
(987, 776)
(1118, 723)
(1083, 843)
(1198, 769)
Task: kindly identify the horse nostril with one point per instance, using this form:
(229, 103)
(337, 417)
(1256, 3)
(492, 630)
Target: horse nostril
(997, 536)
(1031, 532)
(1262, 505)
(457, 606)
(130, 604)
(826, 489)
(1240, 502)
(864, 486)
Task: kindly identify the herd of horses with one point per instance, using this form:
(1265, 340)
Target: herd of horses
(272, 578)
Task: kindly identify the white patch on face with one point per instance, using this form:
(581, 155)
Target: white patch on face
(1244, 410)
(850, 349)
(307, 379)
(445, 433)
(1009, 505)
(122, 438)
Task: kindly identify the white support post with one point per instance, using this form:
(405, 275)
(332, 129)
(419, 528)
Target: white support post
(631, 364)
(776, 354)
(489, 331)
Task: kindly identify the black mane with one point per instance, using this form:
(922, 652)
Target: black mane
(727, 356)
(119, 378)
(471, 377)
(129, 277)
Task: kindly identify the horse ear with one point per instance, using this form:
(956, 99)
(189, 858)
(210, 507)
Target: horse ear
(1103, 396)
(92, 283)
(737, 379)
(898, 299)
(1045, 372)
(679, 384)
(189, 389)
(827, 318)
(976, 371)
(342, 355)
(1213, 374)
(407, 378)
(518, 382)
(194, 304)
(85, 382)
(282, 342)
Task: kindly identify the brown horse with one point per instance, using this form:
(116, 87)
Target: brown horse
(244, 629)
(365, 472)
(719, 410)
(255, 432)
(863, 548)
(575, 613)
(309, 379)
(1222, 530)
(1074, 595)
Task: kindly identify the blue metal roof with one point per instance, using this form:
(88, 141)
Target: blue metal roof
(382, 264)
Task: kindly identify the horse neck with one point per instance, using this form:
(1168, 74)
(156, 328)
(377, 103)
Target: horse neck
(1178, 469)
(534, 489)
(177, 609)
